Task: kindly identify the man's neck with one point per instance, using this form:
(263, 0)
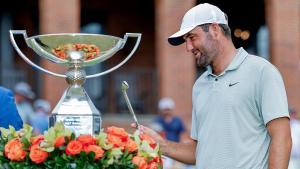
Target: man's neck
(224, 58)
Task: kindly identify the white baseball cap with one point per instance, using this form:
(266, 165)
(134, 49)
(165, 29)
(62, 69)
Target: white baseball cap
(24, 89)
(43, 104)
(198, 15)
(166, 103)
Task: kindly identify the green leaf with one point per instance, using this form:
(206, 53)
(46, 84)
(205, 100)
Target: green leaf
(9, 133)
(102, 141)
(91, 156)
(116, 152)
(45, 146)
(50, 136)
(147, 151)
(53, 132)
(62, 148)
(25, 142)
(27, 131)
(59, 160)
(136, 137)
(73, 136)
(110, 161)
(4, 132)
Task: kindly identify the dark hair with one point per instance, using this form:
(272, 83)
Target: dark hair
(205, 27)
(225, 29)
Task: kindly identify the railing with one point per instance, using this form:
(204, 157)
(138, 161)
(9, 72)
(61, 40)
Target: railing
(106, 91)
(142, 92)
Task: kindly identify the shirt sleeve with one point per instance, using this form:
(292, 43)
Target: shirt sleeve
(8, 111)
(273, 99)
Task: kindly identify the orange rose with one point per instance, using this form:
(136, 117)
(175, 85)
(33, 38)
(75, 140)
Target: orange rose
(149, 139)
(131, 146)
(140, 162)
(119, 132)
(59, 141)
(13, 150)
(96, 149)
(115, 141)
(86, 139)
(118, 137)
(156, 159)
(153, 165)
(37, 139)
(37, 155)
(74, 147)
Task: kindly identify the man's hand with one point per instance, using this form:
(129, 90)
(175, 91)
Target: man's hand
(183, 152)
(160, 140)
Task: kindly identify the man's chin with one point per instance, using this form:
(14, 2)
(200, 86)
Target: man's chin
(202, 65)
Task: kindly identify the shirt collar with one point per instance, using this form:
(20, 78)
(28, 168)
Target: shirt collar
(238, 59)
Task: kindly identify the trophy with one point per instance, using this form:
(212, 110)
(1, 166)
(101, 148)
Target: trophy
(75, 51)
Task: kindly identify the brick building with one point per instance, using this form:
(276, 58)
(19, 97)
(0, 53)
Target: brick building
(156, 69)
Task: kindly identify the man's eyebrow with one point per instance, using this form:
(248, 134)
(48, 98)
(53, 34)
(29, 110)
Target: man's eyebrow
(186, 35)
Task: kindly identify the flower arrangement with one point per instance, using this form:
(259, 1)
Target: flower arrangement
(90, 51)
(59, 148)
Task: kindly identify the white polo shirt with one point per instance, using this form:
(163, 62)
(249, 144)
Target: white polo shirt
(231, 110)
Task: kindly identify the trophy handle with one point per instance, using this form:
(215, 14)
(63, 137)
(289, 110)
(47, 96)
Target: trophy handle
(23, 32)
(135, 35)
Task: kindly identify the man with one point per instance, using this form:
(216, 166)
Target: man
(39, 121)
(23, 96)
(8, 111)
(240, 116)
(172, 125)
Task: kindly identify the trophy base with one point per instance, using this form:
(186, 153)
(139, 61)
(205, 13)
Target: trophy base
(77, 112)
(79, 123)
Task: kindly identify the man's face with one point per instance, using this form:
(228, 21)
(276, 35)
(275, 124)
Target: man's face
(19, 98)
(203, 46)
(166, 112)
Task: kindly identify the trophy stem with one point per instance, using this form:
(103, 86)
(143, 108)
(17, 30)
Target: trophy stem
(75, 75)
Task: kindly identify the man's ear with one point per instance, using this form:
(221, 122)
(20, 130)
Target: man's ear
(215, 30)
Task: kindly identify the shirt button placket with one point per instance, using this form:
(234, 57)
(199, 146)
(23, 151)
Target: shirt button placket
(215, 82)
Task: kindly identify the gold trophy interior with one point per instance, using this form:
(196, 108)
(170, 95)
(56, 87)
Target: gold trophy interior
(54, 46)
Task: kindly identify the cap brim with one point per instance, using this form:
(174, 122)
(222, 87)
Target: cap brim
(177, 38)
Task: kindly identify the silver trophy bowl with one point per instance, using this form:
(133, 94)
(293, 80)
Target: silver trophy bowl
(44, 45)
(75, 51)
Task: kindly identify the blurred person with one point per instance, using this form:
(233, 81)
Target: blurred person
(23, 97)
(240, 117)
(171, 125)
(39, 121)
(295, 131)
(8, 110)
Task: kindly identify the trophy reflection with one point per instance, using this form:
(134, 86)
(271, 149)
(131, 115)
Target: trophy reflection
(75, 51)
